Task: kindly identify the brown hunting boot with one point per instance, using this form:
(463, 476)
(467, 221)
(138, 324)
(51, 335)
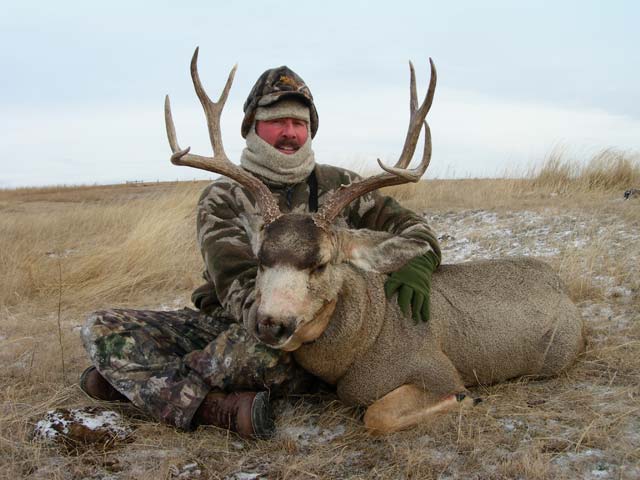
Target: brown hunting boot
(96, 386)
(246, 413)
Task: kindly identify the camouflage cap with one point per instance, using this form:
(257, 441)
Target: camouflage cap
(273, 85)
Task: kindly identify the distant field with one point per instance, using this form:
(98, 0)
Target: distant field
(79, 249)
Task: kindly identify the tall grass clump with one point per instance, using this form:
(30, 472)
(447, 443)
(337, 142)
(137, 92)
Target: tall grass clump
(606, 170)
(556, 172)
(611, 169)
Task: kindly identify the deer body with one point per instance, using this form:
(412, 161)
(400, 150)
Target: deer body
(490, 321)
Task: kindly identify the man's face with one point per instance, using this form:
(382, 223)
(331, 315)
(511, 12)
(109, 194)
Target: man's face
(286, 135)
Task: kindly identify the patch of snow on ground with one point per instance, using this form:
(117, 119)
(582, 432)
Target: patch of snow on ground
(603, 320)
(510, 425)
(186, 472)
(596, 311)
(176, 304)
(244, 476)
(66, 253)
(307, 435)
(58, 422)
(620, 293)
(600, 473)
(596, 459)
(604, 280)
(479, 234)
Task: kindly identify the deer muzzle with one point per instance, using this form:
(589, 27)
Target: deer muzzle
(274, 331)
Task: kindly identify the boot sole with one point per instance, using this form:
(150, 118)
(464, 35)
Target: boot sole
(83, 380)
(262, 417)
(83, 386)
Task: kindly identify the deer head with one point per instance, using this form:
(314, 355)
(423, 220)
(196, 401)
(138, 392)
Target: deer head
(301, 257)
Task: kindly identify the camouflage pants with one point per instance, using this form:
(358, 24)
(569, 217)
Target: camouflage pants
(167, 362)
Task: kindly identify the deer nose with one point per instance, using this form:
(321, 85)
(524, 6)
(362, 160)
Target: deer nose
(273, 331)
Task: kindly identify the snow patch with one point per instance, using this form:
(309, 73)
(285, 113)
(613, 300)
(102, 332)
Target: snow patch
(63, 254)
(620, 293)
(105, 424)
(599, 467)
(312, 434)
(176, 304)
(480, 234)
(185, 472)
(244, 476)
(510, 424)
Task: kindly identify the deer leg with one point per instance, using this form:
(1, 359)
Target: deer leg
(407, 406)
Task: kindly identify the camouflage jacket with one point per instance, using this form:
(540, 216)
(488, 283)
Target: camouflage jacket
(224, 214)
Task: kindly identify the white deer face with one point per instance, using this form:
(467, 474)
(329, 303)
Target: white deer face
(301, 273)
(297, 281)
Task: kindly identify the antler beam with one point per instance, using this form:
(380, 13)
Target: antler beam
(399, 173)
(219, 163)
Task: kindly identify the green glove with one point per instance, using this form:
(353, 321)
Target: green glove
(413, 284)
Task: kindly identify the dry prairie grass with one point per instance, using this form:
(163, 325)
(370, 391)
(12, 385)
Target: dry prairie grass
(114, 244)
(608, 169)
(583, 184)
(134, 246)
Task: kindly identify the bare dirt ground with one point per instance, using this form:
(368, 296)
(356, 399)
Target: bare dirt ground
(83, 250)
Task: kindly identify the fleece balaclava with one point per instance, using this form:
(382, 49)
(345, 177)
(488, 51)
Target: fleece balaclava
(262, 159)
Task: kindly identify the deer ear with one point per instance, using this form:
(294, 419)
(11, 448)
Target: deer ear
(373, 251)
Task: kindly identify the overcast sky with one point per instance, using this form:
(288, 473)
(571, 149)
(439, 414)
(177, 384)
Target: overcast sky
(83, 83)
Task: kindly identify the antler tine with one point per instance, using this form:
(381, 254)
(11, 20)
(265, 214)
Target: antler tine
(219, 163)
(171, 131)
(413, 91)
(417, 115)
(415, 174)
(212, 110)
(397, 174)
(346, 194)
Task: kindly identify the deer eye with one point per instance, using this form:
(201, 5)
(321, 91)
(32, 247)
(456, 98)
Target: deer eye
(319, 269)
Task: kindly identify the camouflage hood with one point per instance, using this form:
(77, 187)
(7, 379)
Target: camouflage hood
(273, 85)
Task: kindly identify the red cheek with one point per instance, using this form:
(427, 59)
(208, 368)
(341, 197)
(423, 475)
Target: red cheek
(268, 131)
(302, 133)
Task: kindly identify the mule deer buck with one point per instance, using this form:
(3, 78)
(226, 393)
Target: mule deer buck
(320, 294)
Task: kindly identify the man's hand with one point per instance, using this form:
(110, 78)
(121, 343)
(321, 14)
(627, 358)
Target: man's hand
(413, 284)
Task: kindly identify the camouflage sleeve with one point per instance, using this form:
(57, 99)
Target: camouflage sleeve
(382, 213)
(223, 236)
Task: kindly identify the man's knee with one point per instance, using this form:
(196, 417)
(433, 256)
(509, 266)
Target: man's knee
(97, 325)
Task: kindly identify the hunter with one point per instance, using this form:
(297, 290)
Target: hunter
(202, 367)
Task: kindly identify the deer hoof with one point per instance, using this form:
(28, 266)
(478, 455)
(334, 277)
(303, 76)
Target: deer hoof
(463, 397)
(460, 397)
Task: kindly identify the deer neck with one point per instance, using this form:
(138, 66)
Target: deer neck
(354, 326)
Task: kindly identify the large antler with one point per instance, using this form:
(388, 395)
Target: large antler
(219, 163)
(398, 174)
